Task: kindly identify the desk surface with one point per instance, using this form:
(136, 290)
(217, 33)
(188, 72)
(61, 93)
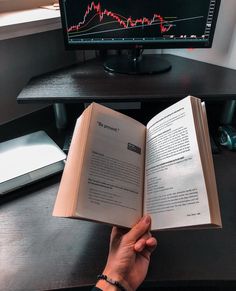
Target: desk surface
(38, 251)
(87, 82)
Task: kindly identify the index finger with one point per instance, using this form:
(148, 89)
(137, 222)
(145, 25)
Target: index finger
(139, 229)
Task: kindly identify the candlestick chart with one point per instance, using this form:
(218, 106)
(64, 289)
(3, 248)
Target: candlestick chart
(99, 20)
(108, 19)
(130, 20)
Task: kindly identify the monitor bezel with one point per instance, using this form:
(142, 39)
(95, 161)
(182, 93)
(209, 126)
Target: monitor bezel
(138, 45)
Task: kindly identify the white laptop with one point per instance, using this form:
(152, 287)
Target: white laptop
(28, 158)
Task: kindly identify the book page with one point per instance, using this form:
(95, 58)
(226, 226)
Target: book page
(111, 187)
(201, 126)
(175, 192)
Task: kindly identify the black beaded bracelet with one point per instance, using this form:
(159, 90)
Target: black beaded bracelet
(111, 281)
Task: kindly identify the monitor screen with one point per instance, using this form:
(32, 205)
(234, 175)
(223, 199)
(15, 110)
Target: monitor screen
(149, 24)
(138, 24)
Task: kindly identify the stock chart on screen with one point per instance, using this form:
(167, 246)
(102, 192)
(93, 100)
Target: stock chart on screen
(143, 21)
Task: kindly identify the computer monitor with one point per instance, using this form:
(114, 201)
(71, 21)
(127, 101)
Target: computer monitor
(137, 25)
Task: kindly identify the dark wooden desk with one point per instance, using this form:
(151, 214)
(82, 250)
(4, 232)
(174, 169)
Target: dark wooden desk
(38, 251)
(89, 82)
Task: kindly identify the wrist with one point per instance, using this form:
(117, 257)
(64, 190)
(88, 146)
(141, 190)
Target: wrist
(105, 286)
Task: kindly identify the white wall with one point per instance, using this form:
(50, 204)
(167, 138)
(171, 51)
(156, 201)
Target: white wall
(223, 51)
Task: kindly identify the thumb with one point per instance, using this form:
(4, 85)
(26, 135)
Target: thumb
(139, 229)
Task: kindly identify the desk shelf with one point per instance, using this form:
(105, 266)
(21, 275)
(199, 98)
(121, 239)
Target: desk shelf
(88, 82)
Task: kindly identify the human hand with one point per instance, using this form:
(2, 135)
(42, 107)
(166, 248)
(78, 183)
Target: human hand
(129, 255)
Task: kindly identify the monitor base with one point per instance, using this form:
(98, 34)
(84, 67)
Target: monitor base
(143, 65)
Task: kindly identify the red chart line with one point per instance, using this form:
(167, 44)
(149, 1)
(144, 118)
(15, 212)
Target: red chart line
(123, 21)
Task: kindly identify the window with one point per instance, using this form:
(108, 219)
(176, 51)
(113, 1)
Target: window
(12, 5)
(20, 18)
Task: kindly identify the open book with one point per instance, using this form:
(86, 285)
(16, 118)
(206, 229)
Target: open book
(118, 169)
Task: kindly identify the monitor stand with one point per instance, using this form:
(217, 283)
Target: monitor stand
(136, 64)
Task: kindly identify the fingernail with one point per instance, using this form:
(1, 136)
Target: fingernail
(147, 219)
